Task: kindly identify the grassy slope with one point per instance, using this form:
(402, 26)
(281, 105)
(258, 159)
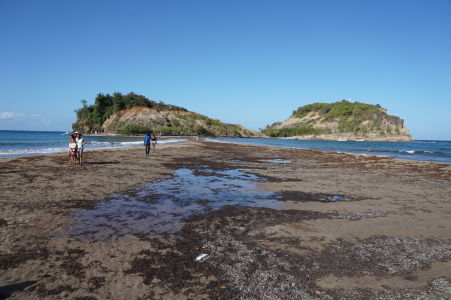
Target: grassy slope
(182, 122)
(352, 117)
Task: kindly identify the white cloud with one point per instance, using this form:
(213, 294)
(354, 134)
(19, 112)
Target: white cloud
(11, 115)
(22, 121)
(7, 115)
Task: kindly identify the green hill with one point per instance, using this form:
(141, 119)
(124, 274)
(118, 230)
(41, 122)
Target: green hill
(341, 120)
(136, 114)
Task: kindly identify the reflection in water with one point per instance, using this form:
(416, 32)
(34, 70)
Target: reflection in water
(160, 206)
(279, 161)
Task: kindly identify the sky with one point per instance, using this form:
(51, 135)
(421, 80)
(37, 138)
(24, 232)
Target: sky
(246, 62)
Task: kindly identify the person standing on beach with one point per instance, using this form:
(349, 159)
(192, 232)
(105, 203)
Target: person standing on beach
(80, 146)
(147, 143)
(153, 140)
(73, 150)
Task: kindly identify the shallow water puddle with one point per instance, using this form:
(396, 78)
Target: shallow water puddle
(279, 161)
(160, 206)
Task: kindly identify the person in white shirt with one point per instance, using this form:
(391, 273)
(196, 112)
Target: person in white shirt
(72, 150)
(80, 146)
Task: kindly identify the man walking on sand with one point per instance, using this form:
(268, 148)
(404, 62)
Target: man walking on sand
(147, 143)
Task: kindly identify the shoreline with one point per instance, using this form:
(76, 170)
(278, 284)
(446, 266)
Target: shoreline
(193, 139)
(88, 149)
(338, 152)
(391, 223)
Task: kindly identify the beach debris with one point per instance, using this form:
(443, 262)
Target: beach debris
(202, 257)
(317, 292)
(336, 198)
(222, 287)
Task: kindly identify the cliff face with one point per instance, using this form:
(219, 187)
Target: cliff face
(342, 121)
(167, 122)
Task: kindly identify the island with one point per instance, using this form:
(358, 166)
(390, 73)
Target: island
(342, 121)
(135, 114)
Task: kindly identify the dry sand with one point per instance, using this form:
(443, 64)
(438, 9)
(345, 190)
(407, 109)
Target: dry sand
(388, 237)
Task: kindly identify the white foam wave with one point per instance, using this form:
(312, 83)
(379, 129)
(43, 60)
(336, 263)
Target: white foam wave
(98, 143)
(211, 140)
(408, 151)
(171, 141)
(132, 143)
(92, 145)
(32, 151)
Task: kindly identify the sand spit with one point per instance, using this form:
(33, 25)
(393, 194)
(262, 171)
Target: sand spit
(387, 237)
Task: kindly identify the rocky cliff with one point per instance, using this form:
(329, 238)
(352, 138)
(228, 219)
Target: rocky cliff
(342, 120)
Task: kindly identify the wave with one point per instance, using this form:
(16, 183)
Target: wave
(98, 143)
(408, 151)
(131, 143)
(212, 140)
(172, 141)
(32, 151)
(92, 145)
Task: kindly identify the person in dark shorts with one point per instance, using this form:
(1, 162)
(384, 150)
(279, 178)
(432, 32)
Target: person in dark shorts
(153, 141)
(147, 143)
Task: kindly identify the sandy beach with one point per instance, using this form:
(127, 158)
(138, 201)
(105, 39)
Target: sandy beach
(126, 226)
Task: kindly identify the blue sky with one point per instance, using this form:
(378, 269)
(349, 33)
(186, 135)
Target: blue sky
(247, 62)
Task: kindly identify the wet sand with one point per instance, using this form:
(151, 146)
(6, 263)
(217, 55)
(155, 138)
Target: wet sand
(265, 216)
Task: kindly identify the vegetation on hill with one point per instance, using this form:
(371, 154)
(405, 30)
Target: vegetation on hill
(294, 131)
(349, 117)
(105, 105)
(340, 109)
(189, 124)
(197, 124)
(122, 114)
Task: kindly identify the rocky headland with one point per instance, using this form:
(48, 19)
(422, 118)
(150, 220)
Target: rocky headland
(342, 120)
(135, 114)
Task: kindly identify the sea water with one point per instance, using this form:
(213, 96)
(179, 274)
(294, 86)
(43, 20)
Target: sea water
(27, 143)
(425, 150)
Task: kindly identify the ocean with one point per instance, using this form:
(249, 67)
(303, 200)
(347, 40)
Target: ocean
(424, 150)
(28, 143)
